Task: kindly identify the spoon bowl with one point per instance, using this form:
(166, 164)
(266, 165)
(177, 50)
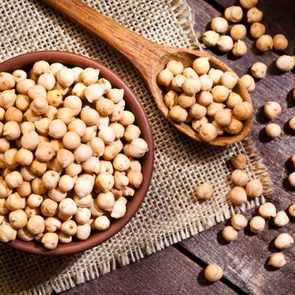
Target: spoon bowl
(149, 58)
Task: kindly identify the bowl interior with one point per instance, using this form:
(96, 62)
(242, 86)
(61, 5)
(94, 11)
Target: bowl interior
(71, 59)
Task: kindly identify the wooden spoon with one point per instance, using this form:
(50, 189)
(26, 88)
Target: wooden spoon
(149, 58)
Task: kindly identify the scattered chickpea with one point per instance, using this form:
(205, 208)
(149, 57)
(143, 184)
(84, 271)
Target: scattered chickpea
(277, 260)
(238, 221)
(239, 48)
(213, 273)
(225, 43)
(219, 24)
(247, 4)
(281, 219)
(233, 14)
(233, 99)
(254, 15)
(229, 233)
(258, 70)
(210, 38)
(292, 123)
(257, 30)
(283, 241)
(291, 179)
(264, 43)
(257, 224)
(272, 109)
(254, 188)
(237, 196)
(291, 210)
(285, 63)
(267, 210)
(239, 178)
(280, 42)
(273, 130)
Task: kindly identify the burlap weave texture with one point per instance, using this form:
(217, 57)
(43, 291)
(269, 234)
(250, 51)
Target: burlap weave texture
(169, 213)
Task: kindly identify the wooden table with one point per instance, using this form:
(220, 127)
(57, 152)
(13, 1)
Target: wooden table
(179, 269)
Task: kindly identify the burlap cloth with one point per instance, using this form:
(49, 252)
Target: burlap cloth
(169, 212)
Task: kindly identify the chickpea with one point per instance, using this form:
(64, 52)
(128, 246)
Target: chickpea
(7, 81)
(34, 201)
(7, 232)
(272, 109)
(27, 174)
(37, 186)
(4, 190)
(213, 273)
(247, 4)
(9, 159)
(204, 191)
(258, 70)
(47, 80)
(219, 24)
(254, 188)
(11, 130)
(83, 215)
(24, 189)
(238, 32)
(292, 123)
(23, 86)
(54, 97)
(4, 145)
(210, 38)
(229, 234)
(50, 241)
(170, 98)
(225, 43)
(119, 209)
(177, 82)
(239, 177)
(257, 30)
(64, 238)
(18, 219)
(178, 114)
(90, 133)
(248, 82)
(51, 113)
(291, 210)
(105, 106)
(102, 223)
(197, 111)
(273, 130)
(83, 231)
(116, 95)
(97, 145)
(92, 165)
(3, 207)
(84, 185)
(66, 183)
(104, 182)
(257, 224)
(55, 67)
(113, 149)
(40, 67)
(84, 202)
(89, 76)
(65, 77)
(74, 103)
(24, 235)
(118, 129)
(215, 75)
(254, 15)
(201, 65)
(164, 78)
(233, 99)
(280, 42)
(82, 153)
(243, 111)
(220, 93)
(281, 219)
(191, 86)
(264, 43)
(89, 116)
(77, 126)
(238, 221)
(277, 260)
(49, 208)
(207, 132)
(36, 225)
(205, 98)
(237, 196)
(13, 179)
(175, 67)
(291, 179)
(68, 207)
(13, 114)
(285, 63)
(22, 102)
(136, 148)
(38, 168)
(233, 13)
(69, 227)
(283, 241)
(56, 195)
(64, 158)
(71, 140)
(267, 210)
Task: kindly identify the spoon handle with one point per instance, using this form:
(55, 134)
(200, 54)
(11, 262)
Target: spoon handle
(142, 53)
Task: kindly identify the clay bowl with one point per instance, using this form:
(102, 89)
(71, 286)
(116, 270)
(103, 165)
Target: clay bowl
(71, 59)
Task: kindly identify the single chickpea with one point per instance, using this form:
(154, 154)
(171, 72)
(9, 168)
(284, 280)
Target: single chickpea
(23, 86)
(102, 223)
(210, 38)
(66, 183)
(239, 221)
(207, 132)
(116, 95)
(113, 149)
(84, 185)
(67, 207)
(7, 232)
(206, 82)
(47, 80)
(177, 114)
(215, 75)
(69, 227)
(24, 189)
(201, 65)
(4, 145)
(223, 117)
(197, 111)
(89, 116)
(170, 98)
(128, 192)
(3, 208)
(285, 63)
(238, 32)
(14, 179)
(104, 106)
(7, 81)
(225, 43)
(65, 157)
(205, 98)
(277, 260)
(136, 148)
(50, 241)
(248, 82)
(185, 101)
(119, 209)
(34, 201)
(292, 123)
(79, 90)
(191, 86)
(107, 167)
(4, 189)
(54, 97)
(71, 140)
(36, 225)
(9, 159)
(74, 103)
(44, 152)
(84, 202)
(291, 179)
(175, 67)
(65, 77)
(272, 109)
(254, 188)
(7, 98)
(239, 48)
(213, 273)
(55, 67)
(49, 207)
(118, 129)
(104, 182)
(257, 30)
(291, 210)
(237, 196)
(83, 216)
(257, 224)
(24, 235)
(116, 115)
(283, 241)
(83, 231)
(135, 178)
(91, 132)
(64, 238)
(14, 114)
(177, 82)
(254, 15)
(73, 169)
(82, 153)
(267, 210)
(97, 145)
(77, 126)
(165, 77)
(264, 43)
(233, 14)
(258, 70)
(229, 233)
(281, 219)
(91, 165)
(121, 180)
(204, 191)
(22, 102)
(239, 177)
(66, 115)
(280, 42)
(273, 130)
(27, 173)
(56, 195)
(11, 130)
(247, 4)
(89, 76)
(40, 67)
(31, 212)
(18, 219)
(77, 71)
(51, 113)
(243, 111)
(220, 92)
(57, 128)
(219, 24)
(127, 118)
(37, 167)
(42, 126)
(37, 186)
(233, 99)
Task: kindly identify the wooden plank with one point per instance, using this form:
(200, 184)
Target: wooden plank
(279, 17)
(166, 272)
(244, 260)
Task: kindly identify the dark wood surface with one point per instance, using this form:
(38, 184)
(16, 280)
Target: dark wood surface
(178, 269)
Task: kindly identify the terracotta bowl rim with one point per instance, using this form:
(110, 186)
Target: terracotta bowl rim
(73, 59)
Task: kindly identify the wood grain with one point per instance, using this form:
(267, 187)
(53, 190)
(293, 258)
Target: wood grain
(244, 260)
(167, 272)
